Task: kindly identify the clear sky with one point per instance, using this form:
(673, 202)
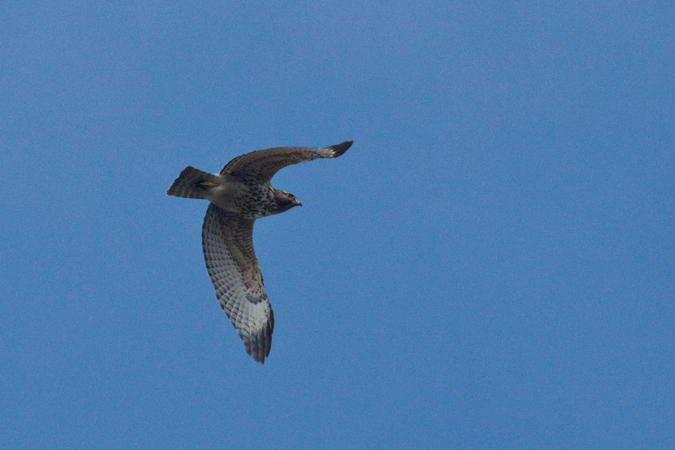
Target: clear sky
(491, 265)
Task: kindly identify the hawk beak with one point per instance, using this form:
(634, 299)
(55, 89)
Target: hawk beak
(297, 202)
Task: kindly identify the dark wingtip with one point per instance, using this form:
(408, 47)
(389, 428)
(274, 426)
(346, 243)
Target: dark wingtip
(339, 149)
(260, 348)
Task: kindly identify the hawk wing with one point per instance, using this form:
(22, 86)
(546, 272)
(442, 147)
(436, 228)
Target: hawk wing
(261, 165)
(227, 241)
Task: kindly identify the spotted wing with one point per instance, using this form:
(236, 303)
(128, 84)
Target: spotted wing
(227, 241)
(261, 165)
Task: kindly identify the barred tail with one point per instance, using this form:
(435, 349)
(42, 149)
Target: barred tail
(192, 183)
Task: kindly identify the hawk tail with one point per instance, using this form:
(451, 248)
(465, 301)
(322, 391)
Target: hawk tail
(192, 183)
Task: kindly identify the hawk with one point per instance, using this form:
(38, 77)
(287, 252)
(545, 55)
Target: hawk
(240, 194)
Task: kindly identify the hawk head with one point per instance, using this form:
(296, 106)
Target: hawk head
(283, 201)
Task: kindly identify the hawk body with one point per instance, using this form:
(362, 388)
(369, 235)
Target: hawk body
(240, 194)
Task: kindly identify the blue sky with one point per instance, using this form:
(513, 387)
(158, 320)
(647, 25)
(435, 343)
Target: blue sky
(491, 265)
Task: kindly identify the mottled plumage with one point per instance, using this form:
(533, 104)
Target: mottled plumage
(240, 194)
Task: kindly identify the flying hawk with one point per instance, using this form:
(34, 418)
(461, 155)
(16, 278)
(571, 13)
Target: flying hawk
(240, 194)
